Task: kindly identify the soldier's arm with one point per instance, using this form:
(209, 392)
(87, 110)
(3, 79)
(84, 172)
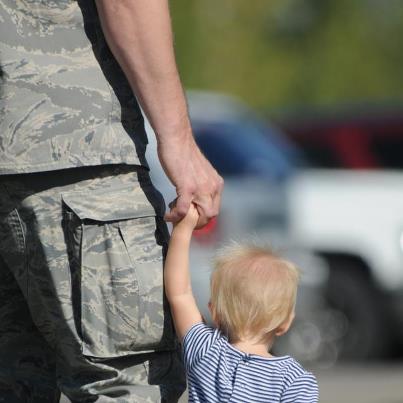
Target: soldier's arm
(178, 288)
(140, 37)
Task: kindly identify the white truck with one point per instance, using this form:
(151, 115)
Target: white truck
(353, 220)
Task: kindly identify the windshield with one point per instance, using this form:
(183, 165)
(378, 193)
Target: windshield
(247, 148)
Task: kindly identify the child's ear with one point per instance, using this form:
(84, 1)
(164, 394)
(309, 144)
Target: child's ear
(283, 328)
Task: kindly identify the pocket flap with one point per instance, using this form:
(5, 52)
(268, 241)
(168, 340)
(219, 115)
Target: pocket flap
(111, 204)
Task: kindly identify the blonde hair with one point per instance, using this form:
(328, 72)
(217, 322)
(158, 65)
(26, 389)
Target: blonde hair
(253, 291)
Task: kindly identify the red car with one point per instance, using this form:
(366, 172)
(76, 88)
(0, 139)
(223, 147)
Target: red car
(367, 138)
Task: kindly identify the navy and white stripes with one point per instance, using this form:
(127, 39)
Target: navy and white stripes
(218, 373)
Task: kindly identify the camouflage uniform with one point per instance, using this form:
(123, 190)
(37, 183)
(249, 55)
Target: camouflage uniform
(82, 308)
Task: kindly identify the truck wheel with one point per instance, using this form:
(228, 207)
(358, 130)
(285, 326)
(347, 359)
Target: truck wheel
(350, 295)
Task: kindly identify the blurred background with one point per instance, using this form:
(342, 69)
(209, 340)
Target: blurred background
(298, 105)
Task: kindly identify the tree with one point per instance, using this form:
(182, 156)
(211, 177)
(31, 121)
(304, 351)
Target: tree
(282, 52)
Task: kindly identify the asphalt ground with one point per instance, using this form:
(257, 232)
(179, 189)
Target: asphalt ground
(380, 383)
(356, 383)
(366, 383)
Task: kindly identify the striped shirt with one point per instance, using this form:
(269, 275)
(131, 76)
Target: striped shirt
(218, 372)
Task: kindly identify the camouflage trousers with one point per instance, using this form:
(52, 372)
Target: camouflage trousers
(82, 307)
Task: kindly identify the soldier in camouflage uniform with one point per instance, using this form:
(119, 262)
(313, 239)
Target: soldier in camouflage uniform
(82, 236)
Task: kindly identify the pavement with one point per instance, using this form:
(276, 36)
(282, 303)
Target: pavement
(356, 383)
(371, 383)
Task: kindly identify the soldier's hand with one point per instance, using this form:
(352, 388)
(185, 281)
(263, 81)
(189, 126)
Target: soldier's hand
(194, 178)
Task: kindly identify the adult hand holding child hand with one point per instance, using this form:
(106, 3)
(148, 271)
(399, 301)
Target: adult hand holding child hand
(194, 178)
(189, 222)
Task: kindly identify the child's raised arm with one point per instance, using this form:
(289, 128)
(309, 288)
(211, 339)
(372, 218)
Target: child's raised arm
(176, 275)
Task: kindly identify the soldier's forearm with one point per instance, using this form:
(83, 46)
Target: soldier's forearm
(140, 37)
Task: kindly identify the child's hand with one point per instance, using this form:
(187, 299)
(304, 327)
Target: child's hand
(190, 220)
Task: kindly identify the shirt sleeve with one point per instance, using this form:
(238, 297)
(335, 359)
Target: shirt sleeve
(304, 389)
(196, 343)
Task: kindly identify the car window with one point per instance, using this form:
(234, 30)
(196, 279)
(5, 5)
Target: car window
(242, 148)
(321, 155)
(223, 153)
(388, 150)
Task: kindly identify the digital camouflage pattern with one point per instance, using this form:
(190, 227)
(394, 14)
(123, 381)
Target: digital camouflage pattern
(81, 259)
(64, 101)
(82, 308)
(112, 234)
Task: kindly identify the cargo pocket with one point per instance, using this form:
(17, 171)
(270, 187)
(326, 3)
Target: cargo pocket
(118, 278)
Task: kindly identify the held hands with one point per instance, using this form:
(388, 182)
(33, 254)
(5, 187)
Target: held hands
(189, 222)
(196, 181)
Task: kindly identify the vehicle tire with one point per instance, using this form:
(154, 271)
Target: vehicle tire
(350, 294)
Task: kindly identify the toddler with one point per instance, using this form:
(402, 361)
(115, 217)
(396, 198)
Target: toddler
(252, 302)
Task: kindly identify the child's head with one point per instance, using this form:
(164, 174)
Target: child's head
(253, 293)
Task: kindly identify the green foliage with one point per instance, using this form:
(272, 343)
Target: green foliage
(281, 52)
